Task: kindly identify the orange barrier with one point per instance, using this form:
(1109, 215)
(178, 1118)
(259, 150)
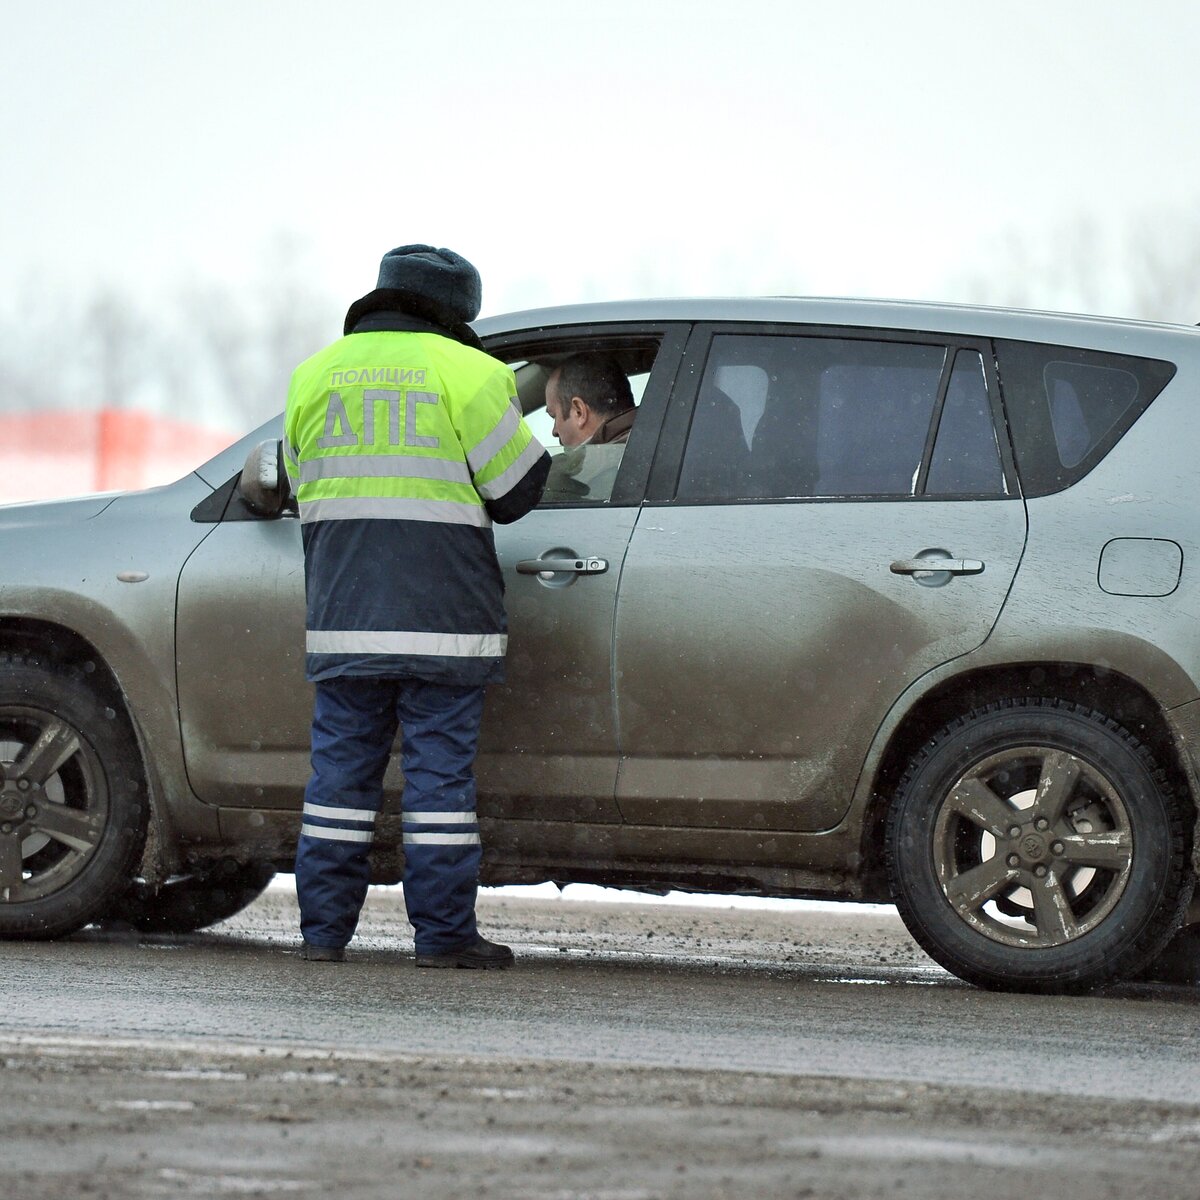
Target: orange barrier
(48, 454)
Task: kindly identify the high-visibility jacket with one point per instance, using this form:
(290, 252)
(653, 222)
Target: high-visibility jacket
(402, 448)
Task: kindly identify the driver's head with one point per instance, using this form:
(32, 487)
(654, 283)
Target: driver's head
(584, 392)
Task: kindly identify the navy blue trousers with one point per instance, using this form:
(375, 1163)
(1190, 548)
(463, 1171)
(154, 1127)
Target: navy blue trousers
(355, 719)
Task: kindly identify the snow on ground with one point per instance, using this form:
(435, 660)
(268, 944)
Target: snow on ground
(594, 893)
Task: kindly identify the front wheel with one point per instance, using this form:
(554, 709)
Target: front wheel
(1036, 846)
(73, 805)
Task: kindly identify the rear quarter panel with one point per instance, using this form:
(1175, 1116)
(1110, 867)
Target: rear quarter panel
(1146, 488)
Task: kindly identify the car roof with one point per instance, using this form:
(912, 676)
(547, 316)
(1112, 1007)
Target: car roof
(1113, 333)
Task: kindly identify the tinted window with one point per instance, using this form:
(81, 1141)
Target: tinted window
(966, 456)
(780, 417)
(1085, 403)
(1068, 408)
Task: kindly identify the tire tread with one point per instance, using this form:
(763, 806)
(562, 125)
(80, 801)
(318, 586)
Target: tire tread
(1151, 939)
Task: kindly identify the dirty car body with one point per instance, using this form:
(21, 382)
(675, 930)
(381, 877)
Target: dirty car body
(881, 601)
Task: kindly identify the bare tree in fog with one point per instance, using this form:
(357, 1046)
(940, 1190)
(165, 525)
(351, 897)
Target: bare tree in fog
(217, 341)
(46, 356)
(247, 342)
(1149, 270)
(114, 342)
(215, 354)
(1164, 269)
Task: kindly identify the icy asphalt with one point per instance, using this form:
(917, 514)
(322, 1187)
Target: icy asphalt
(818, 994)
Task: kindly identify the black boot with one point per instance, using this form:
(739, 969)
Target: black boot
(312, 953)
(477, 955)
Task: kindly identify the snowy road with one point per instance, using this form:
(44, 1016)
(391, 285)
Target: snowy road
(754, 1015)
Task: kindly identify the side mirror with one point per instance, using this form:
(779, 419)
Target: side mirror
(264, 484)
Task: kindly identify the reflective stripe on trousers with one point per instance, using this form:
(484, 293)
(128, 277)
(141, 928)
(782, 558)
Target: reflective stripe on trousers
(355, 719)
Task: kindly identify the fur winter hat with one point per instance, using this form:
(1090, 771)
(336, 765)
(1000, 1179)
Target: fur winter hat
(437, 285)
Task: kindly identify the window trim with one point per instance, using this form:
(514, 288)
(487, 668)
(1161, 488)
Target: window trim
(676, 426)
(630, 487)
(999, 428)
(935, 418)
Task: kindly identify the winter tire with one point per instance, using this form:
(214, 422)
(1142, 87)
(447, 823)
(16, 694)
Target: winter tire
(189, 902)
(73, 805)
(1034, 845)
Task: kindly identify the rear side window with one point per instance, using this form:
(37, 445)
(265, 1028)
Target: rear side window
(782, 417)
(1068, 408)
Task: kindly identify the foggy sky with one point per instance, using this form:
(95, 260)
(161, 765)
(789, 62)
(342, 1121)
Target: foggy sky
(580, 151)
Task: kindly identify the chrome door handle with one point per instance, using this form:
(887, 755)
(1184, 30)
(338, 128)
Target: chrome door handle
(952, 566)
(551, 566)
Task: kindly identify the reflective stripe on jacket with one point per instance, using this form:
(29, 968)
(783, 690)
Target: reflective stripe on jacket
(402, 447)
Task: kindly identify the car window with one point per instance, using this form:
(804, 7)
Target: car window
(782, 417)
(543, 427)
(1067, 408)
(583, 474)
(966, 456)
(1086, 401)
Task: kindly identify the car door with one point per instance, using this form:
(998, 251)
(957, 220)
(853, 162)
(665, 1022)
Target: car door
(548, 749)
(775, 601)
(549, 752)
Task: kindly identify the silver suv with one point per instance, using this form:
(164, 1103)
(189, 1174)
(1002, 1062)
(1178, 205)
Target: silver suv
(886, 602)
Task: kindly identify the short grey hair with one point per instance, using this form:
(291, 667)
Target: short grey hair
(599, 381)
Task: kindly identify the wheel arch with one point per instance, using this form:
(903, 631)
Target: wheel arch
(1107, 691)
(66, 647)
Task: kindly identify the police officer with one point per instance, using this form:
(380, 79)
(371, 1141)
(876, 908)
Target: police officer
(404, 441)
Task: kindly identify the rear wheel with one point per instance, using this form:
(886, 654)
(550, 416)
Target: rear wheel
(73, 805)
(1036, 846)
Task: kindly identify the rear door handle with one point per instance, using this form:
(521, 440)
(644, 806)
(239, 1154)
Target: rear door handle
(952, 566)
(552, 566)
